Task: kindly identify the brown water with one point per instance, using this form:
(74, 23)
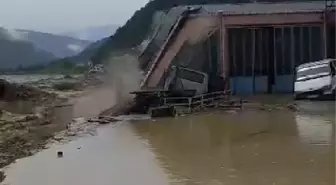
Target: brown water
(93, 102)
(246, 148)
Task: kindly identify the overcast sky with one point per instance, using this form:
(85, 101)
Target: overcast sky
(65, 15)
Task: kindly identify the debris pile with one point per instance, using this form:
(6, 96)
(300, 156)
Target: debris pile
(15, 92)
(292, 106)
(65, 86)
(2, 176)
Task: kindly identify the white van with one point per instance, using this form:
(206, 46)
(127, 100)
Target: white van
(315, 79)
(187, 79)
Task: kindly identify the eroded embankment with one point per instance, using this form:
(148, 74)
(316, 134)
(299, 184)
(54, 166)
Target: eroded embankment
(32, 117)
(26, 120)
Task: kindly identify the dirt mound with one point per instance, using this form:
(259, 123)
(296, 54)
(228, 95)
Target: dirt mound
(15, 92)
(27, 120)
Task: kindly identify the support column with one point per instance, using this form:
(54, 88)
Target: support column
(233, 62)
(253, 57)
(310, 43)
(325, 33)
(224, 55)
(292, 41)
(301, 46)
(283, 62)
(210, 67)
(275, 59)
(244, 51)
(260, 50)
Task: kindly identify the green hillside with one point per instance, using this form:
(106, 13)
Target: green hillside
(15, 53)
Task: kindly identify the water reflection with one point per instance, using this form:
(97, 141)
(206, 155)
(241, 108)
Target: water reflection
(114, 156)
(315, 130)
(248, 148)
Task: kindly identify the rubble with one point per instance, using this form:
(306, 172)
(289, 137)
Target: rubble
(119, 109)
(24, 133)
(14, 92)
(292, 107)
(2, 176)
(104, 120)
(64, 86)
(59, 154)
(67, 77)
(100, 121)
(163, 111)
(272, 106)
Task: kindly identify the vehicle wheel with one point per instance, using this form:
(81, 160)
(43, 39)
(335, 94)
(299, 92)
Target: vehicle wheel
(297, 97)
(333, 92)
(333, 95)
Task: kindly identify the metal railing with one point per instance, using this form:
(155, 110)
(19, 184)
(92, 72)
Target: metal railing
(201, 100)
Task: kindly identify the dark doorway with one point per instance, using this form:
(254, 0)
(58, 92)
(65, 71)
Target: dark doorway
(269, 43)
(263, 59)
(331, 39)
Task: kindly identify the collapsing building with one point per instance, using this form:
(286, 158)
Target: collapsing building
(248, 48)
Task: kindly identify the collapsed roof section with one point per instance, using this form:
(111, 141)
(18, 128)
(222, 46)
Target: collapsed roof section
(162, 26)
(193, 33)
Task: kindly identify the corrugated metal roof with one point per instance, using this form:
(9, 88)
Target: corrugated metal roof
(262, 8)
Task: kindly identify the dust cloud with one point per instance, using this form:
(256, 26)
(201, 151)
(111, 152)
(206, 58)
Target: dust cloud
(124, 76)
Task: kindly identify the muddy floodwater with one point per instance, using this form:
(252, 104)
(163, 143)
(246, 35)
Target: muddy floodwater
(243, 148)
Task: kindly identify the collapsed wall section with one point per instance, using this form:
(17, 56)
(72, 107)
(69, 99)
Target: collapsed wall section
(194, 31)
(162, 24)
